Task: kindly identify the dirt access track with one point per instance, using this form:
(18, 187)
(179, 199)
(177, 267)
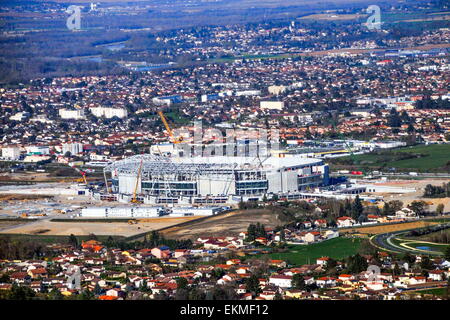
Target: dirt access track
(228, 224)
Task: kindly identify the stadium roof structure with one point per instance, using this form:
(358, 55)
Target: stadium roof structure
(200, 165)
(166, 165)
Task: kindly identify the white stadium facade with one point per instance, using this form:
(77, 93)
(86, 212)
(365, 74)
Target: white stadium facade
(158, 179)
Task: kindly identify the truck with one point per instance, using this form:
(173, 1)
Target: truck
(415, 174)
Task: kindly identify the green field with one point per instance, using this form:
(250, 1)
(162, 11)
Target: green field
(437, 291)
(426, 158)
(338, 248)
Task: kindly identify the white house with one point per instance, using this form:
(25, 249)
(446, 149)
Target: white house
(374, 285)
(281, 281)
(326, 282)
(277, 105)
(436, 275)
(107, 112)
(312, 236)
(405, 213)
(11, 153)
(322, 261)
(345, 222)
(72, 114)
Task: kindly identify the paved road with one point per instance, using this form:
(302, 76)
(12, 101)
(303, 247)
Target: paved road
(384, 241)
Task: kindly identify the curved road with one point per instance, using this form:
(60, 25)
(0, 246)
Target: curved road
(384, 241)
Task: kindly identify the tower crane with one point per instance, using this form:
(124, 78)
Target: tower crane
(134, 199)
(166, 124)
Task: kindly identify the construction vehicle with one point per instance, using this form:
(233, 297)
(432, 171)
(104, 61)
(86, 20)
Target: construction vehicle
(132, 222)
(169, 130)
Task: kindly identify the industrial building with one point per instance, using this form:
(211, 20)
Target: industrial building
(122, 212)
(148, 212)
(217, 179)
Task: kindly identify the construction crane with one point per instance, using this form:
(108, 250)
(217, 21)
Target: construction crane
(166, 124)
(83, 174)
(352, 155)
(134, 199)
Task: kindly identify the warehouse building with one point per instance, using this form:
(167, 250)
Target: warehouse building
(122, 212)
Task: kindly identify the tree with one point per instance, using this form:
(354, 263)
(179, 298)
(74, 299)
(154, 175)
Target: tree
(419, 207)
(252, 285)
(331, 264)
(4, 278)
(182, 283)
(387, 210)
(282, 235)
(447, 253)
(278, 296)
(396, 271)
(182, 294)
(298, 282)
(440, 209)
(55, 294)
(409, 258)
(396, 205)
(86, 295)
(426, 263)
(394, 119)
(356, 264)
(73, 240)
(357, 208)
(92, 236)
(98, 289)
(197, 294)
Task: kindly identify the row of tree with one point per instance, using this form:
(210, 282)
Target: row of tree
(437, 191)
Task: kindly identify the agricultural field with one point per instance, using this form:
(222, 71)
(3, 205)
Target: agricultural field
(337, 248)
(389, 227)
(422, 158)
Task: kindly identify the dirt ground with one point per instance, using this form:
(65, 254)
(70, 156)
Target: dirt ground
(8, 224)
(419, 185)
(47, 227)
(229, 224)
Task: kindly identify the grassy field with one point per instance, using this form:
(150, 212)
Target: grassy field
(428, 158)
(437, 291)
(432, 246)
(307, 254)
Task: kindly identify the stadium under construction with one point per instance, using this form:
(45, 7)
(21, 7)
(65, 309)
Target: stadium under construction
(157, 179)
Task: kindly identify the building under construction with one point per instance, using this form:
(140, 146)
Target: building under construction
(158, 179)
